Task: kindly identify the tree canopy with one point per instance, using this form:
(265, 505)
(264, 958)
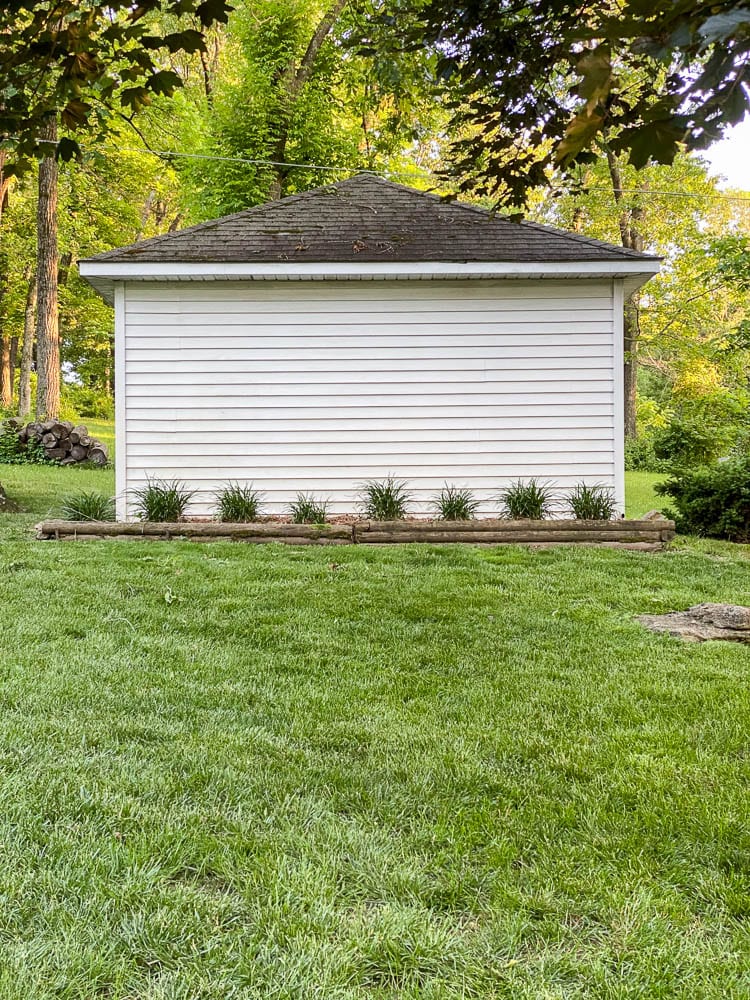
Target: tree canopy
(544, 84)
(76, 58)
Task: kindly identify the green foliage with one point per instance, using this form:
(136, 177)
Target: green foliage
(592, 503)
(385, 500)
(88, 506)
(72, 59)
(455, 504)
(237, 503)
(307, 510)
(640, 456)
(527, 500)
(161, 500)
(644, 80)
(12, 452)
(689, 442)
(713, 501)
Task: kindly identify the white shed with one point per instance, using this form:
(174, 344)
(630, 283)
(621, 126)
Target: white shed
(364, 330)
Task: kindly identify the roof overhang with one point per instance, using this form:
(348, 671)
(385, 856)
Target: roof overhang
(103, 274)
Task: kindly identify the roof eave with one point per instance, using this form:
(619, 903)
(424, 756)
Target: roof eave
(103, 274)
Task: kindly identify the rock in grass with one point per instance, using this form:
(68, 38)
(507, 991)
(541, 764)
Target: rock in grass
(702, 622)
(6, 506)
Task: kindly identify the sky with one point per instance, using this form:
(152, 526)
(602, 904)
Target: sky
(731, 157)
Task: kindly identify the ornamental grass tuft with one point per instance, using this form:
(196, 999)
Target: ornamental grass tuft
(455, 504)
(306, 509)
(238, 504)
(527, 500)
(592, 503)
(161, 500)
(385, 499)
(88, 506)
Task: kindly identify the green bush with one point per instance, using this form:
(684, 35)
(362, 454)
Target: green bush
(82, 401)
(88, 506)
(305, 509)
(640, 456)
(238, 504)
(713, 501)
(161, 500)
(12, 452)
(526, 501)
(690, 441)
(385, 500)
(592, 503)
(454, 504)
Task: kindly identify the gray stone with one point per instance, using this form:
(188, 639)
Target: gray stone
(703, 621)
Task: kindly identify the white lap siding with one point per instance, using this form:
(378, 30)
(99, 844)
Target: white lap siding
(316, 386)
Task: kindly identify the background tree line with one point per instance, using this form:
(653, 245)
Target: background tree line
(122, 123)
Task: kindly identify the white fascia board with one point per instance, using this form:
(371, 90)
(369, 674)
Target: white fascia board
(145, 271)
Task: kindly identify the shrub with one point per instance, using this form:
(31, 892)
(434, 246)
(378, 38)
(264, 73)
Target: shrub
(12, 452)
(238, 504)
(385, 500)
(161, 500)
(88, 507)
(691, 442)
(454, 504)
(713, 501)
(640, 456)
(307, 510)
(528, 500)
(592, 503)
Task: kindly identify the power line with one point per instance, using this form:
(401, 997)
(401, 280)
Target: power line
(167, 154)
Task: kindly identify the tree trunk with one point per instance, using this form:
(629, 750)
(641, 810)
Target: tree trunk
(6, 376)
(27, 350)
(47, 329)
(631, 234)
(290, 86)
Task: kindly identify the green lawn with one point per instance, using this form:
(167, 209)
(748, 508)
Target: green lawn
(230, 771)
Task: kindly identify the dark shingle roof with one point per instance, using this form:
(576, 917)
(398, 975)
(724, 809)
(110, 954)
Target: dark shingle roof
(367, 218)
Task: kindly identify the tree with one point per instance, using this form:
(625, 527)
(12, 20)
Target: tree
(685, 337)
(66, 65)
(545, 83)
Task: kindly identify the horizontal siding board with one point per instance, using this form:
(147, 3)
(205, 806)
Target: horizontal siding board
(309, 324)
(373, 294)
(317, 453)
(347, 355)
(144, 422)
(361, 391)
(340, 439)
(461, 379)
(317, 387)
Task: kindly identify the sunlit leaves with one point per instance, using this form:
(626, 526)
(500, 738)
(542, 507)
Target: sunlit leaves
(69, 58)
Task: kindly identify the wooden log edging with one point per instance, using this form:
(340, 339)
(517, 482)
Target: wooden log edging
(641, 534)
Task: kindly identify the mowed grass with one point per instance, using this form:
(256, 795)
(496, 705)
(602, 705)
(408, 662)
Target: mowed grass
(234, 771)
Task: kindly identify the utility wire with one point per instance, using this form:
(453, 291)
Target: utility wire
(167, 154)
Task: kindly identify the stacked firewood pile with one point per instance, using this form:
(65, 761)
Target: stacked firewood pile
(63, 441)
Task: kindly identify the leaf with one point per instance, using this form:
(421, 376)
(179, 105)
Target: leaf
(164, 82)
(75, 113)
(578, 135)
(723, 26)
(185, 41)
(213, 10)
(658, 140)
(67, 149)
(595, 68)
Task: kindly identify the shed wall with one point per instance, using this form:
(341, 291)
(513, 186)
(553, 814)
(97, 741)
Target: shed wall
(317, 386)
